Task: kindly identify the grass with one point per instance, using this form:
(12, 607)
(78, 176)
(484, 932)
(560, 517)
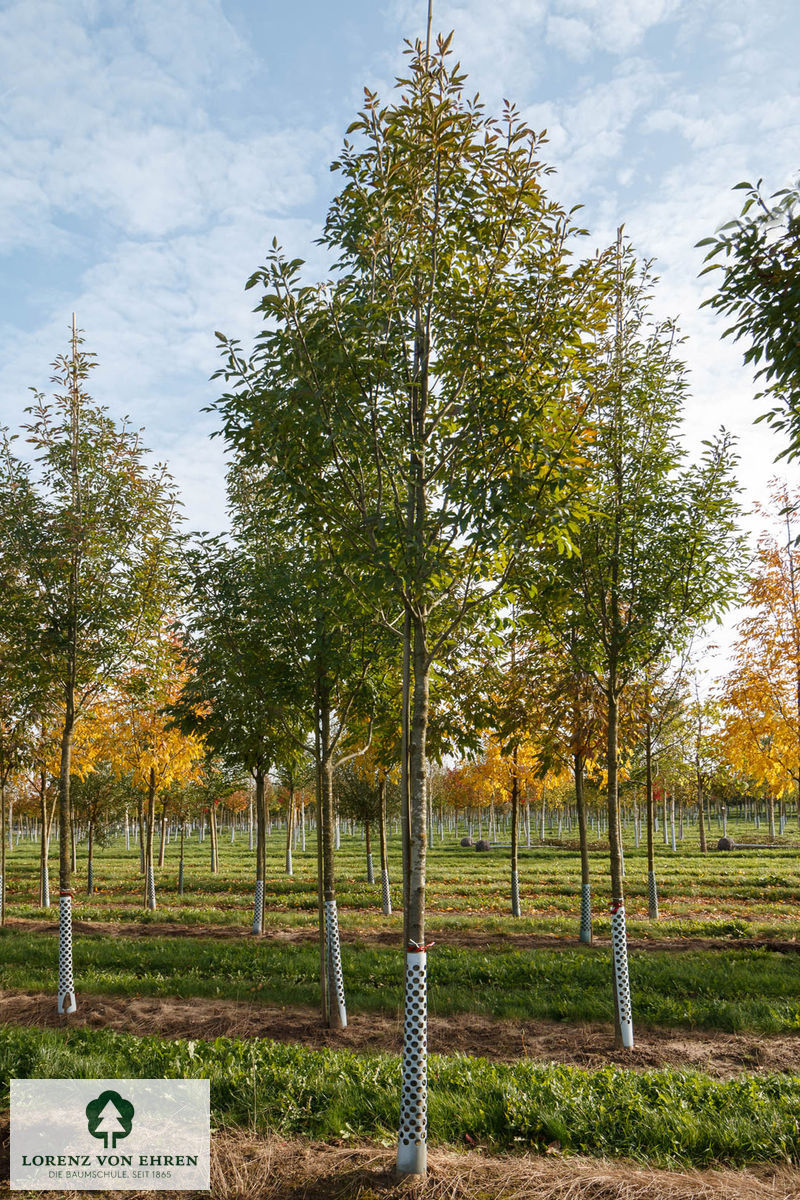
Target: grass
(667, 1118)
(744, 893)
(754, 990)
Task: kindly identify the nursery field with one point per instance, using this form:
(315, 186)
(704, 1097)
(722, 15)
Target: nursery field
(521, 1013)
(742, 893)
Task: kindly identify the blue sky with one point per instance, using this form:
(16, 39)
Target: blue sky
(151, 151)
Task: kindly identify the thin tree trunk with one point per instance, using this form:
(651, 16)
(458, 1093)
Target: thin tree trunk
(368, 852)
(652, 888)
(623, 1018)
(323, 939)
(261, 853)
(412, 1145)
(214, 831)
(289, 830)
(701, 816)
(586, 886)
(181, 863)
(150, 878)
(386, 895)
(337, 1012)
(515, 907)
(44, 846)
(162, 845)
(66, 986)
(142, 838)
(90, 861)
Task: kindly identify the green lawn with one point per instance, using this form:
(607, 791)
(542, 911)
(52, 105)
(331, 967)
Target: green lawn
(669, 1118)
(730, 990)
(744, 893)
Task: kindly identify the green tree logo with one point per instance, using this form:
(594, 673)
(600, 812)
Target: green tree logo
(109, 1117)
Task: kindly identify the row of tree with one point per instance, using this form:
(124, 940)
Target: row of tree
(459, 507)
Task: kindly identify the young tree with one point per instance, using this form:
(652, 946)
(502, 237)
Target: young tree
(90, 524)
(657, 557)
(416, 408)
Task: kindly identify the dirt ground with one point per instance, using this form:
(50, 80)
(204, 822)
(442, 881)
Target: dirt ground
(718, 1054)
(455, 938)
(247, 1167)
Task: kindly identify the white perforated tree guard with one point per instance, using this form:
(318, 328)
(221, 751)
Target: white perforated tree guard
(45, 885)
(586, 913)
(652, 894)
(370, 870)
(151, 887)
(334, 959)
(66, 985)
(619, 949)
(515, 909)
(258, 906)
(412, 1146)
(180, 878)
(386, 895)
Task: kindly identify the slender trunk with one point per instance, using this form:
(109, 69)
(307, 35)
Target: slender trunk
(586, 887)
(142, 839)
(701, 815)
(66, 985)
(44, 846)
(162, 845)
(412, 1145)
(386, 895)
(181, 863)
(323, 939)
(289, 831)
(90, 860)
(337, 1013)
(368, 851)
(515, 908)
(214, 831)
(150, 879)
(623, 1019)
(652, 888)
(405, 794)
(261, 853)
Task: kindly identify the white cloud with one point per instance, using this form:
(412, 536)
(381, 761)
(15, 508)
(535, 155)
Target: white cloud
(574, 37)
(618, 26)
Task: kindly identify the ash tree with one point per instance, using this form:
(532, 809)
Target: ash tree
(659, 554)
(417, 406)
(90, 524)
(281, 658)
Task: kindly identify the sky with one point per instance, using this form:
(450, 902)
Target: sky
(152, 151)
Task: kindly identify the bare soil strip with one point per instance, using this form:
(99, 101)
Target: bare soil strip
(719, 1054)
(248, 1167)
(453, 938)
